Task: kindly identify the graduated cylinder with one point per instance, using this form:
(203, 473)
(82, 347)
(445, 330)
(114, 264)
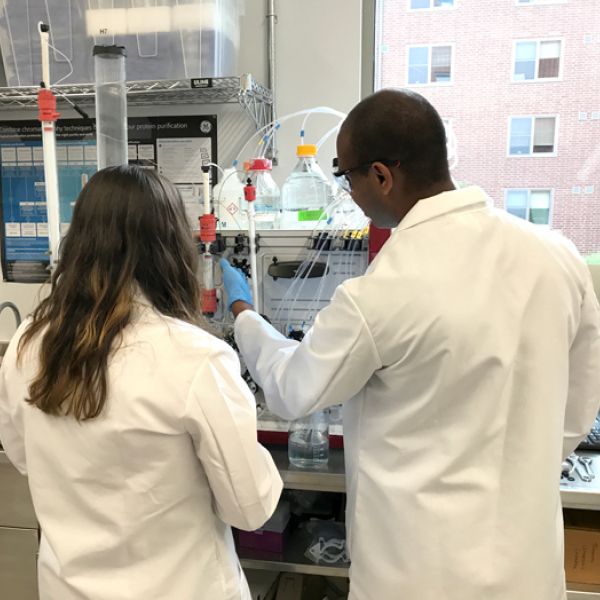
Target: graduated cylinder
(111, 105)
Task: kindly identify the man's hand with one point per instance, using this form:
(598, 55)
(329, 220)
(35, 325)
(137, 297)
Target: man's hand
(236, 288)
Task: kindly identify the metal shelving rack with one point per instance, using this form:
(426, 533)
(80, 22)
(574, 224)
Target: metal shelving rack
(328, 479)
(292, 560)
(255, 99)
(331, 478)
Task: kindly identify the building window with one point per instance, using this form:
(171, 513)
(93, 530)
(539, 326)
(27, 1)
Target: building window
(536, 59)
(417, 4)
(429, 64)
(532, 135)
(531, 205)
(501, 140)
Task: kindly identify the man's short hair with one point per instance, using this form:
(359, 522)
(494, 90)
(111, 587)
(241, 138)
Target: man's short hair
(399, 125)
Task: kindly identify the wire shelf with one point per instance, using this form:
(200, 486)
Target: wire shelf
(255, 99)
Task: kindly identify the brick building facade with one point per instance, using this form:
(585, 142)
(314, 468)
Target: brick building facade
(484, 64)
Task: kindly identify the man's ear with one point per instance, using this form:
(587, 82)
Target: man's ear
(384, 176)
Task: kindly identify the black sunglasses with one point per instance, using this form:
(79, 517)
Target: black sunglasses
(342, 176)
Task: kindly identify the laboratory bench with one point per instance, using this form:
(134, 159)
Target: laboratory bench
(574, 495)
(581, 494)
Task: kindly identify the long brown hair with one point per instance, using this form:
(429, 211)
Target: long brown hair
(129, 233)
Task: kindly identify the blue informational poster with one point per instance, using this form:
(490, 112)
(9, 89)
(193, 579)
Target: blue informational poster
(176, 146)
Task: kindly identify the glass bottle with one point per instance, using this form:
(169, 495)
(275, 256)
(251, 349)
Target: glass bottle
(268, 202)
(305, 193)
(308, 441)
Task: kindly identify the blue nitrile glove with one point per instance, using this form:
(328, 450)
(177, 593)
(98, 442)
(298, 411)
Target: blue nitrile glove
(235, 284)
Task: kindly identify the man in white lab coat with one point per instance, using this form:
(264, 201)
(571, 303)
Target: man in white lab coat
(468, 362)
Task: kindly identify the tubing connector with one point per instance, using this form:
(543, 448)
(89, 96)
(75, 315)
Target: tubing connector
(47, 105)
(209, 302)
(208, 228)
(249, 191)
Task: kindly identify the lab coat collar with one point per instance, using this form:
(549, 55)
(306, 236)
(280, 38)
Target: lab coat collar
(140, 299)
(468, 198)
(142, 310)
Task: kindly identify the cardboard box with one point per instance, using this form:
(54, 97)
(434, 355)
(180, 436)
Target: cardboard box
(582, 547)
(290, 587)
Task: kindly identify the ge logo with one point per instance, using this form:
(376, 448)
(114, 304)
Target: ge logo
(205, 126)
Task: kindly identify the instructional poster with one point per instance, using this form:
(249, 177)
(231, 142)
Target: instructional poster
(176, 146)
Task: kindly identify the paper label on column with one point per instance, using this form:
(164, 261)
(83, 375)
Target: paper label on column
(42, 229)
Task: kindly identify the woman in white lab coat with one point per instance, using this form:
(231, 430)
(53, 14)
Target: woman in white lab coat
(135, 429)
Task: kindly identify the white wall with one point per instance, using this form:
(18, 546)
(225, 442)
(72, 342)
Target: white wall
(318, 63)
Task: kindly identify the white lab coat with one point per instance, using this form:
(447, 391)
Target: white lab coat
(468, 359)
(137, 503)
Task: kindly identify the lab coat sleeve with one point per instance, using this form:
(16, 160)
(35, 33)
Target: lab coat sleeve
(221, 418)
(583, 400)
(333, 362)
(12, 406)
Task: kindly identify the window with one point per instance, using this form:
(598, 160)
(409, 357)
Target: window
(531, 205)
(532, 135)
(429, 64)
(417, 4)
(536, 59)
